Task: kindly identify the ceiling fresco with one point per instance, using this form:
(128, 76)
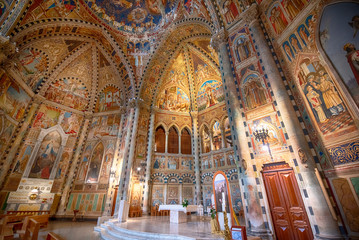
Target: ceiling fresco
(134, 16)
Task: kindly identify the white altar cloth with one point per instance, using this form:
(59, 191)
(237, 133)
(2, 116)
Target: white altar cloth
(178, 212)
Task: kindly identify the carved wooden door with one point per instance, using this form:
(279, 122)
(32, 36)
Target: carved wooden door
(288, 212)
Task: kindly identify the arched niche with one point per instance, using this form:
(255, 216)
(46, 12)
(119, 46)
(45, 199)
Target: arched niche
(254, 91)
(160, 139)
(206, 140)
(186, 146)
(93, 173)
(173, 140)
(217, 136)
(242, 48)
(47, 152)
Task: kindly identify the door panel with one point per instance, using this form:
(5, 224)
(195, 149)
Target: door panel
(287, 208)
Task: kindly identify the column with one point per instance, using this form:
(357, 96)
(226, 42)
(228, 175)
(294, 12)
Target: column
(166, 144)
(165, 194)
(328, 228)
(223, 138)
(195, 143)
(114, 173)
(74, 163)
(150, 140)
(251, 203)
(131, 154)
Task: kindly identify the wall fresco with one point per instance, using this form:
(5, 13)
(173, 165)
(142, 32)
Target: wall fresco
(109, 99)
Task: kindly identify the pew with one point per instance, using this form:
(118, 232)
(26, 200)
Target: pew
(11, 223)
(53, 236)
(32, 230)
(42, 220)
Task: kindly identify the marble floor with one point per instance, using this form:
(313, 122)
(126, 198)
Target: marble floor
(196, 227)
(71, 230)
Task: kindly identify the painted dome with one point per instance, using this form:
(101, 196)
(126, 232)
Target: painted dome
(134, 16)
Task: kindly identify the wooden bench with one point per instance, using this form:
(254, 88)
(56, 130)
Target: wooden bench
(10, 224)
(53, 236)
(135, 211)
(154, 211)
(42, 220)
(32, 230)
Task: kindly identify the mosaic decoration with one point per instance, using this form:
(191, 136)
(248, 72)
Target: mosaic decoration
(46, 156)
(254, 91)
(104, 126)
(173, 99)
(328, 108)
(209, 94)
(243, 48)
(92, 203)
(95, 164)
(134, 16)
(346, 153)
(33, 64)
(68, 92)
(277, 19)
(109, 99)
(13, 99)
(340, 41)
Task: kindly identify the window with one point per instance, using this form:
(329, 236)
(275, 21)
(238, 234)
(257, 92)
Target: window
(186, 146)
(173, 141)
(160, 140)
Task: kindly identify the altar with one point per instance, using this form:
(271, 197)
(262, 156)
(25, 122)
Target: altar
(178, 213)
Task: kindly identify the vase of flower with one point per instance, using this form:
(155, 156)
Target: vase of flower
(185, 203)
(214, 224)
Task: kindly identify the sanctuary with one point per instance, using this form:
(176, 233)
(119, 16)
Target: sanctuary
(127, 111)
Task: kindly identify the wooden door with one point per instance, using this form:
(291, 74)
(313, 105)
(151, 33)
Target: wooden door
(288, 212)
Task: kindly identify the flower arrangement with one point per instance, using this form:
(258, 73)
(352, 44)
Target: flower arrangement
(213, 212)
(185, 203)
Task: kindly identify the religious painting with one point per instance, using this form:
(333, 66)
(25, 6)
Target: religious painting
(277, 19)
(206, 140)
(8, 129)
(206, 163)
(105, 126)
(69, 92)
(295, 44)
(339, 38)
(95, 164)
(172, 163)
(84, 163)
(13, 99)
(157, 195)
(196, 8)
(25, 154)
(217, 136)
(159, 163)
(71, 123)
(107, 161)
(186, 163)
(3, 8)
(254, 91)
(141, 146)
(275, 136)
(33, 65)
(173, 99)
(46, 156)
(109, 99)
(230, 159)
(288, 50)
(227, 133)
(172, 195)
(303, 34)
(207, 195)
(322, 95)
(46, 117)
(292, 7)
(63, 164)
(236, 196)
(133, 16)
(188, 194)
(221, 194)
(209, 94)
(243, 48)
(230, 11)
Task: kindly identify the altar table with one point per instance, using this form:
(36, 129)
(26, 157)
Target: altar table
(178, 213)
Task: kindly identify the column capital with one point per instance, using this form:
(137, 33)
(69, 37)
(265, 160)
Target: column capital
(135, 102)
(194, 114)
(218, 38)
(251, 14)
(7, 51)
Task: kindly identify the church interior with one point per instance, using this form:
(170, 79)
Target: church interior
(179, 119)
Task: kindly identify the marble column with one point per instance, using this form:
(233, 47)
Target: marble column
(151, 138)
(114, 173)
(328, 227)
(253, 212)
(127, 135)
(165, 194)
(131, 154)
(72, 170)
(195, 152)
(166, 144)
